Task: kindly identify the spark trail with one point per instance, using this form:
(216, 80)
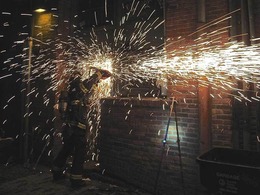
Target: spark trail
(127, 53)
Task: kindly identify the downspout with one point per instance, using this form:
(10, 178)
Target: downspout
(248, 35)
(253, 85)
(245, 22)
(251, 21)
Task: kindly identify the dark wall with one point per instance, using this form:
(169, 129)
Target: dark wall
(13, 29)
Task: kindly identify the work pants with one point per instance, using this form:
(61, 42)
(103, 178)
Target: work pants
(75, 145)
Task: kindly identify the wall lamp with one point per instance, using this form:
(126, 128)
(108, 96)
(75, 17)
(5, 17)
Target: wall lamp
(40, 10)
(39, 6)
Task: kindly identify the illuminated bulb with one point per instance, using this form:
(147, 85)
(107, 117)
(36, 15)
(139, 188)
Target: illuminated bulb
(40, 10)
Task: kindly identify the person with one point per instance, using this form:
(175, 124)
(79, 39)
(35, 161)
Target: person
(72, 107)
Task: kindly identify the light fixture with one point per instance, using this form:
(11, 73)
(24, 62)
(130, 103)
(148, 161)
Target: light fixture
(40, 10)
(39, 6)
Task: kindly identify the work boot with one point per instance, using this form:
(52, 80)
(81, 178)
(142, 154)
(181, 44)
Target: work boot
(58, 175)
(78, 183)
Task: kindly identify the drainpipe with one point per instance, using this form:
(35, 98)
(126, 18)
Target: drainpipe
(248, 32)
(245, 22)
(246, 40)
(252, 37)
(251, 21)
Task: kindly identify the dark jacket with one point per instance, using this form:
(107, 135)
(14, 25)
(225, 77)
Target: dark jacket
(77, 98)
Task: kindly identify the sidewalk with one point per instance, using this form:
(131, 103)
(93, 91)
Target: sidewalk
(17, 180)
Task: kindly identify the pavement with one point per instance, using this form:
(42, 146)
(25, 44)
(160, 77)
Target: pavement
(17, 179)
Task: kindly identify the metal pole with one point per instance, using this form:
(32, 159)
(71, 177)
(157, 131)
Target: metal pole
(163, 149)
(179, 148)
(27, 102)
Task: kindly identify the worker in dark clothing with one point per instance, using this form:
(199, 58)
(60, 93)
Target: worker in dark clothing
(73, 106)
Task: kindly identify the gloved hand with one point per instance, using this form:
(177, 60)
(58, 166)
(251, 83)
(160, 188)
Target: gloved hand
(105, 73)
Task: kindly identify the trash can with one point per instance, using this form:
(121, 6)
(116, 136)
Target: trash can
(230, 171)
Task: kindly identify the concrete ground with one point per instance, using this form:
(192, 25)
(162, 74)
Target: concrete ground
(16, 179)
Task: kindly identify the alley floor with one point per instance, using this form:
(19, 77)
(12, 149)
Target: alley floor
(16, 179)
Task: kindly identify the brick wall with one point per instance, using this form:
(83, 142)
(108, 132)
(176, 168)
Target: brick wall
(221, 127)
(190, 28)
(132, 130)
(131, 146)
